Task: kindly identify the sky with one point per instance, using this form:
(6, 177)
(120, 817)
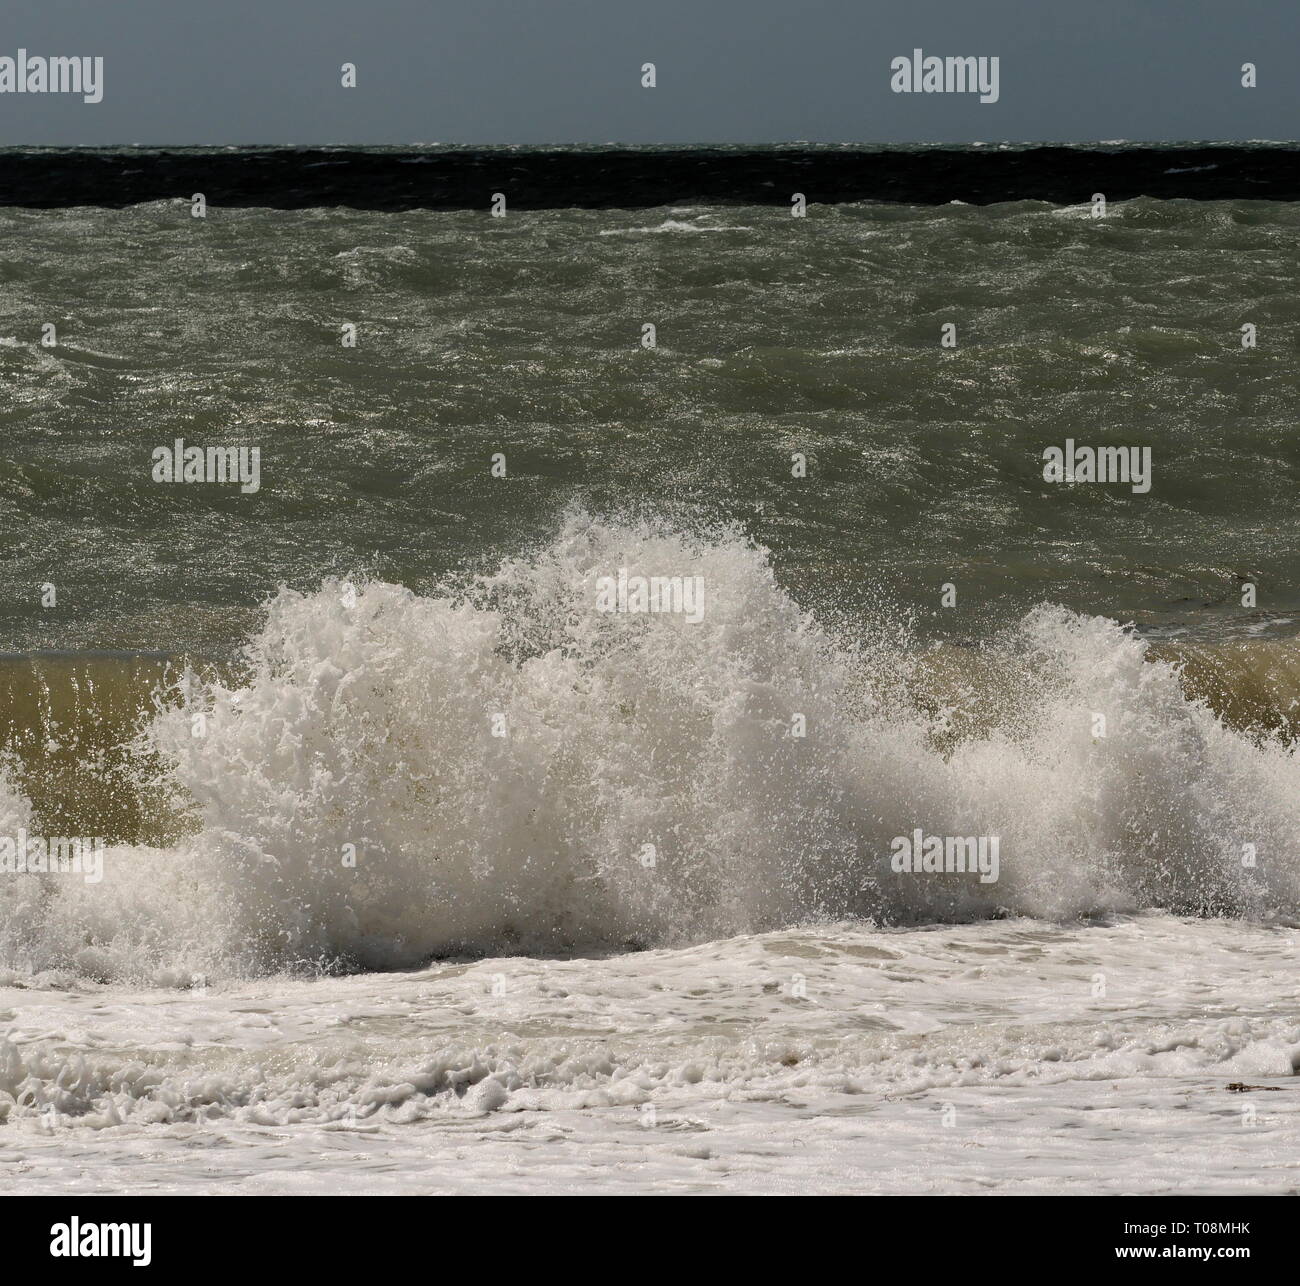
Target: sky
(727, 71)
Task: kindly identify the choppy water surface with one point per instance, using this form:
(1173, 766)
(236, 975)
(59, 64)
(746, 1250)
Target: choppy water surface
(234, 690)
(522, 335)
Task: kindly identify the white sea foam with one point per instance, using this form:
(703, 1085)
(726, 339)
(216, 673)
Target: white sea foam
(371, 725)
(1063, 1057)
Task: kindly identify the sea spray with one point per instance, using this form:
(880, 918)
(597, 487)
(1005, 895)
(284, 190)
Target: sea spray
(503, 769)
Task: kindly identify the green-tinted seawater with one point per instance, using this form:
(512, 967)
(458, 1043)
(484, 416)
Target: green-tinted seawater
(775, 335)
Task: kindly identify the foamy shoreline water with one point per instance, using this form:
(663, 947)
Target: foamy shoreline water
(1004, 1057)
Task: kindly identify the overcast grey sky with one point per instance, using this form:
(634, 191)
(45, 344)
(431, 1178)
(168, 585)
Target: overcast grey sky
(568, 71)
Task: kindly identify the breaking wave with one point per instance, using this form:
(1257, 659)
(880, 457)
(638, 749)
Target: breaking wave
(503, 769)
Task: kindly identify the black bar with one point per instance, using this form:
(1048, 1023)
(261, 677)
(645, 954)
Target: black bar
(402, 179)
(341, 1234)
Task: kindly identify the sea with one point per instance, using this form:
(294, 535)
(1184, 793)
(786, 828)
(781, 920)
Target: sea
(420, 866)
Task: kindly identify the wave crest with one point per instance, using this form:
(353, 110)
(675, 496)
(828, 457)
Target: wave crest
(505, 769)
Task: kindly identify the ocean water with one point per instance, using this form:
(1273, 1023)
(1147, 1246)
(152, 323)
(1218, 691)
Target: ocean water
(421, 873)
